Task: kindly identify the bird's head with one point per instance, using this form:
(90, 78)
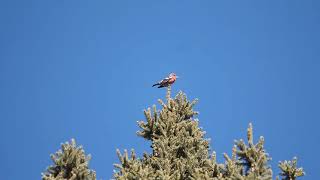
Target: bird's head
(173, 75)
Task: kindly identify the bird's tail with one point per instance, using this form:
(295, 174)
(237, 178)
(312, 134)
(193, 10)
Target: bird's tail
(155, 84)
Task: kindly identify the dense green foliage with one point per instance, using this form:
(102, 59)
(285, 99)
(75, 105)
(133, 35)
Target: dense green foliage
(179, 151)
(69, 163)
(290, 170)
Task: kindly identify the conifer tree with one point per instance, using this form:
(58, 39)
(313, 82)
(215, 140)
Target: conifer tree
(180, 150)
(71, 163)
(289, 169)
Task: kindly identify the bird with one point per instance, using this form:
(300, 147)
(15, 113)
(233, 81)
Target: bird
(166, 81)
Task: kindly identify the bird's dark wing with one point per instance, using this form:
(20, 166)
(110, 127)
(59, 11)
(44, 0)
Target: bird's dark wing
(162, 83)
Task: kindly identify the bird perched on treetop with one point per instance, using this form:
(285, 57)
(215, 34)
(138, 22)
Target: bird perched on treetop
(167, 81)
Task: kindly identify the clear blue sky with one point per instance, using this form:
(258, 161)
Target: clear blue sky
(84, 70)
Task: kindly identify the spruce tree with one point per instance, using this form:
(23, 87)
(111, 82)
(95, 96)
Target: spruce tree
(181, 151)
(70, 162)
(289, 169)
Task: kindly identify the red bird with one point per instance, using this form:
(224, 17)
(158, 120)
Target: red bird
(167, 81)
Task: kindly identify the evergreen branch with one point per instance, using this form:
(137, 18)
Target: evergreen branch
(289, 169)
(69, 163)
